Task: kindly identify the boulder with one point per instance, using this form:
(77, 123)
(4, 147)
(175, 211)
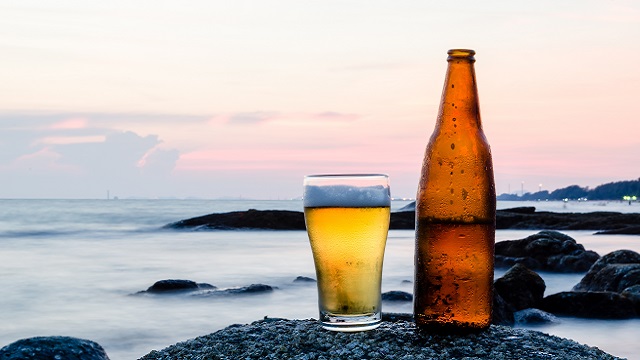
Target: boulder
(175, 285)
(633, 293)
(502, 311)
(245, 290)
(612, 272)
(304, 279)
(533, 317)
(520, 287)
(592, 304)
(397, 296)
(546, 250)
(53, 347)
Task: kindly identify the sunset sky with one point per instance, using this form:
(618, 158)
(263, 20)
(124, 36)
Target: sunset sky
(243, 98)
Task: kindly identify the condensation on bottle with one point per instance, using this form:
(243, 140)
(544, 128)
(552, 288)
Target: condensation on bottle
(455, 211)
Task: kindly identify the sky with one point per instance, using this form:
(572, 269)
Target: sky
(216, 99)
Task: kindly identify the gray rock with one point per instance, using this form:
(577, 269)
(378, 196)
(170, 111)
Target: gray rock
(502, 313)
(305, 339)
(520, 287)
(546, 250)
(397, 296)
(633, 293)
(53, 348)
(245, 290)
(174, 285)
(591, 304)
(598, 278)
(304, 279)
(534, 316)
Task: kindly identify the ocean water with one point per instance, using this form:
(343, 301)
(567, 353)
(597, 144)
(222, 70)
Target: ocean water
(71, 267)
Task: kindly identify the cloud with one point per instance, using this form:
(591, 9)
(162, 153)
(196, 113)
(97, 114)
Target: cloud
(73, 123)
(249, 118)
(335, 116)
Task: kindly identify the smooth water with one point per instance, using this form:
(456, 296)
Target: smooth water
(70, 267)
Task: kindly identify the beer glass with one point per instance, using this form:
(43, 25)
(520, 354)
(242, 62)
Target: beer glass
(347, 219)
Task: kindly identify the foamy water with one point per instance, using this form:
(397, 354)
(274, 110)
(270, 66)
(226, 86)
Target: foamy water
(70, 267)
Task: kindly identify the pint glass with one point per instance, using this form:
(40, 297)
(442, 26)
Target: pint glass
(347, 219)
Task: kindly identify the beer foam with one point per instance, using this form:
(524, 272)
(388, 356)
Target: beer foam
(346, 196)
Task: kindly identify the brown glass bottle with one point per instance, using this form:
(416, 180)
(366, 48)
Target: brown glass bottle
(455, 211)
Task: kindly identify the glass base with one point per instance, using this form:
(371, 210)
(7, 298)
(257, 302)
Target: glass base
(350, 323)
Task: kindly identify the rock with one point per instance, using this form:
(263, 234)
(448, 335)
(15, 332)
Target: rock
(304, 279)
(53, 348)
(173, 285)
(395, 317)
(600, 305)
(627, 230)
(517, 218)
(305, 339)
(397, 296)
(534, 316)
(245, 290)
(520, 287)
(633, 293)
(546, 250)
(607, 273)
(502, 311)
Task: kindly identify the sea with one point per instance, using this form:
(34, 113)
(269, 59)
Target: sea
(73, 268)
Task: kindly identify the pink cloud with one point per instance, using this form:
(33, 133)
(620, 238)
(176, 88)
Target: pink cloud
(72, 123)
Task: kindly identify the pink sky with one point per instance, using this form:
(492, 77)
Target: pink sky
(244, 98)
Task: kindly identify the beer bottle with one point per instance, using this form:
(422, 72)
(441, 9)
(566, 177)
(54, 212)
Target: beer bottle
(455, 211)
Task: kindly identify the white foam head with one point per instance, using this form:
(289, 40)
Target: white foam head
(346, 196)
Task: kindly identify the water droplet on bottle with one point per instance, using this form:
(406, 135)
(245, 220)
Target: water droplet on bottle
(453, 146)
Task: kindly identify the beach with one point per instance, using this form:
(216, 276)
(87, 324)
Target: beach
(73, 267)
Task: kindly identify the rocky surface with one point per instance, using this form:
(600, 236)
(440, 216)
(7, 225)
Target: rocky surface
(590, 304)
(615, 271)
(305, 339)
(517, 218)
(546, 250)
(53, 348)
(175, 285)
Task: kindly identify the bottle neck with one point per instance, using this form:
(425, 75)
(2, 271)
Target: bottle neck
(459, 107)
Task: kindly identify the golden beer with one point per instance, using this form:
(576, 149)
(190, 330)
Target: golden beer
(348, 240)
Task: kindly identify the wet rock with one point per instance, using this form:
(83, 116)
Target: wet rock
(502, 311)
(546, 250)
(593, 304)
(304, 279)
(397, 296)
(534, 316)
(175, 285)
(633, 293)
(245, 290)
(612, 272)
(53, 348)
(626, 230)
(520, 287)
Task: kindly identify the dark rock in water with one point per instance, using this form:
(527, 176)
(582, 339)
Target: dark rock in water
(516, 218)
(502, 311)
(633, 293)
(409, 207)
(174, 285)
(521, 287)
(245, 290)
(592, 304)
(395, 317)
(53, 348)
(406, 281)
(607, 274)
(546, 250)
(627, 230)
(502, 262)
(304, 279)
(250, 219)
(397, 296)
(534, 316)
